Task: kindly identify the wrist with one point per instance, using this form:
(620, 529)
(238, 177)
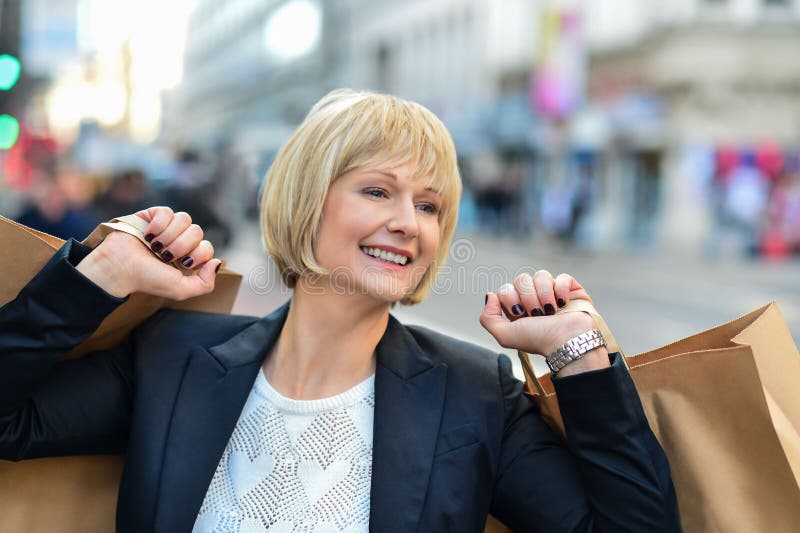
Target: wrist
(572, 325)
(593, 359)
(101, 269)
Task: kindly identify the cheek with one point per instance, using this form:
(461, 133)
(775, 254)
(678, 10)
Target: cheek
(429, 242)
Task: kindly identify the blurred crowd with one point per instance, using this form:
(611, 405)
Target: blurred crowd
(755, 201)
(69, 204)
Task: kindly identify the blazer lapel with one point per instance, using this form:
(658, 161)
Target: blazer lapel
(215, 386)
(409, 398)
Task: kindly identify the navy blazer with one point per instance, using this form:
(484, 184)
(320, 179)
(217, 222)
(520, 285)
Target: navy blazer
(454, 437)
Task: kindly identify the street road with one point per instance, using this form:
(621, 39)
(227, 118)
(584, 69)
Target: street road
(647, 300)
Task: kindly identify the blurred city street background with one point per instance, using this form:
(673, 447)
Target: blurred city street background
(649, 147)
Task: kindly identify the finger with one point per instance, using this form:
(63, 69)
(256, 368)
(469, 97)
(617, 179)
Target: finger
(527, 294)
(158, 217)
(179, 223)
(562, 289)
(493, 321)
(201, 282)
(195, 258)
(510, 302)
(543, 281)
(580, 294)
(187, 241)
(567, 288)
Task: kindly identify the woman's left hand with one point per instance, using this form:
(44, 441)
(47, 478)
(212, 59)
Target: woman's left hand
(522, 315)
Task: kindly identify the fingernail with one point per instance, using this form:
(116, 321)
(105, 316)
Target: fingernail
(561, 302)
(549, 309)
(217, 269)
(537, 312)
(187, 261)
(149, 237)
(167, 256)
(486, 298)
(516, 309)
(156, 246)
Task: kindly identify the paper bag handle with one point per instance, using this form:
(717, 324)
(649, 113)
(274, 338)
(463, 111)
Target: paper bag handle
(132, 225)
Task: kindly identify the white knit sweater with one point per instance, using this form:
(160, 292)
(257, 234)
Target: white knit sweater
(294, 465)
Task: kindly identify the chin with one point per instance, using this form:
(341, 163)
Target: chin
(387, 295)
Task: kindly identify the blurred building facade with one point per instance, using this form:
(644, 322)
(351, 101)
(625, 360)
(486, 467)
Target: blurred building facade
(724, 73)
(665, 82)
(245, 89)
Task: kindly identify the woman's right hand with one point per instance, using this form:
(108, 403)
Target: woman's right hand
(122, 265)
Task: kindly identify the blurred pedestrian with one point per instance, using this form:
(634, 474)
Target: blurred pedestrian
(745, 202)
(128, 192)
(49, 210)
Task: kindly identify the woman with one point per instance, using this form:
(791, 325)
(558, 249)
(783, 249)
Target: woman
(328, 414)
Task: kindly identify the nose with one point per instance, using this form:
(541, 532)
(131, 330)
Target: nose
(404, 219)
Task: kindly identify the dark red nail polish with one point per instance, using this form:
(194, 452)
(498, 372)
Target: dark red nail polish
(149, 237)
(156, 246)
(486, 298)
(561, 302)
(217, 269)
(187, 261)
(549, 309)
(516, 309)
(537, 312)
(167, 256)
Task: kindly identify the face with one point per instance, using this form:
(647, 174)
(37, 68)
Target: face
(386, 212)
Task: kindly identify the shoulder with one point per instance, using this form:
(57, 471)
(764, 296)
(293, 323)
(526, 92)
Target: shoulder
(205, 329)
(459, 355)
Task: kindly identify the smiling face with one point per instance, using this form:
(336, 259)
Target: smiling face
(384, 211)
(338, 192)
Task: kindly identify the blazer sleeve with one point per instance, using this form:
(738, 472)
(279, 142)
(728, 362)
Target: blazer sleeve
(50, 407)
(610, 475)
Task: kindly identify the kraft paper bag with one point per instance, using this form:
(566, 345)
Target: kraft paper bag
(725, 406)
(78, 494)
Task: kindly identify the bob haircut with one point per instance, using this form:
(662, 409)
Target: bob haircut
(346, 130)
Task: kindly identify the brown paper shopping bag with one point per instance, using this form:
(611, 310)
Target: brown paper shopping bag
(78, 494)
(725, 406)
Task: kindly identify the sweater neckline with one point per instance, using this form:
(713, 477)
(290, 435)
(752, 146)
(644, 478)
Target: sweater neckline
(283, 403)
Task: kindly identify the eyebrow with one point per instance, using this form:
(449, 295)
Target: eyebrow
(394, 177)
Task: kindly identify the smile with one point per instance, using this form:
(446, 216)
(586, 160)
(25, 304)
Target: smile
(388, 257)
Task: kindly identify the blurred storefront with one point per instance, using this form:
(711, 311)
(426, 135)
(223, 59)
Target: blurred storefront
(722, 73)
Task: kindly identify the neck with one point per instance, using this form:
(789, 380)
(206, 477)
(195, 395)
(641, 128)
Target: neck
(327, 344)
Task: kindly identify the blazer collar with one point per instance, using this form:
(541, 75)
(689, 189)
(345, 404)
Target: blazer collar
(409, 397)
(252, 343)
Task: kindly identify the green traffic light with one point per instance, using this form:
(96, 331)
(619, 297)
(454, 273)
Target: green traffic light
(9, 71)
(9, 131)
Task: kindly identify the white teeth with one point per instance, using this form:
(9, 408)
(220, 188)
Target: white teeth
(387, 256)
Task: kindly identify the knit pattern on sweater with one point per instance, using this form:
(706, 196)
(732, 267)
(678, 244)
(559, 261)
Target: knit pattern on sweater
(294, 465)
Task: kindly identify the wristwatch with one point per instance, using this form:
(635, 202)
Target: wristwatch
(574, 349)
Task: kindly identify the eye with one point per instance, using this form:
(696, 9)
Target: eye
(376, 193)
(430, 209)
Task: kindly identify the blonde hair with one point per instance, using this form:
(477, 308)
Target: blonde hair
(346, 130)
